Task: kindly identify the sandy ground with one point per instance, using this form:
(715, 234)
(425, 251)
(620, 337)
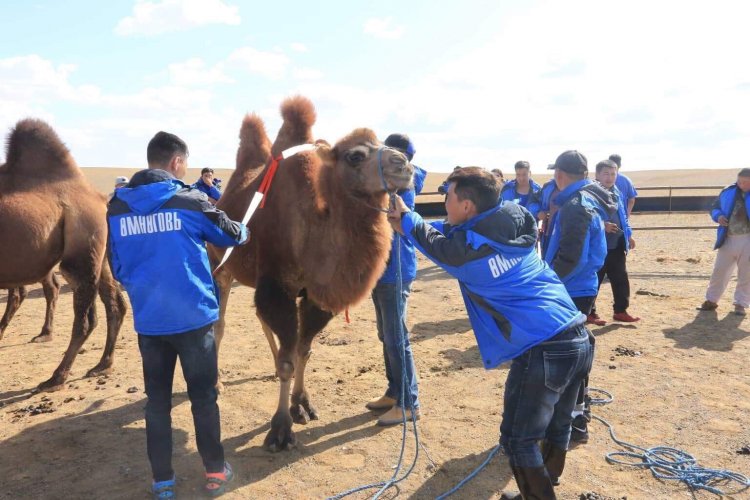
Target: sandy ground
(688, 388)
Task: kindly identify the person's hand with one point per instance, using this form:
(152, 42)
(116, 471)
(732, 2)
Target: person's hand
(609, 227)
(631, 241)
(723, 221)
(395, 210)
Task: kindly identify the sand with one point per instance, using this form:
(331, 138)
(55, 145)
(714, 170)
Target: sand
(688, 388)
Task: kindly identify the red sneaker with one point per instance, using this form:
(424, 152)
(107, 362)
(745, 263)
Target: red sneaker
(625, 317)
(594, 319)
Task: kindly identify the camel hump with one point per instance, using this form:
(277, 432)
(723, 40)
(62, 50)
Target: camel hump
(34, 149)
(255, 147)
(299, 116)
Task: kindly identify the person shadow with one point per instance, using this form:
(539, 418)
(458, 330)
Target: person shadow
(708, 332)
(429, 329)
(491, 480)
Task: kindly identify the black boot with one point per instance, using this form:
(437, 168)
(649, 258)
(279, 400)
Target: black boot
(554, 461)
(534, 483)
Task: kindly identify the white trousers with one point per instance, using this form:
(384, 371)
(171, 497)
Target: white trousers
(734, 253)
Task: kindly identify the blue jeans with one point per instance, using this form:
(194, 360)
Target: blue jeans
(540, 394)
(197, 352)
(387, 305)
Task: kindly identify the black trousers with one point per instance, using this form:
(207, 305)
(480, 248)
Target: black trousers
(615, 268)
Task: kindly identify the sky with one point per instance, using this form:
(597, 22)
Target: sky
(664, 84)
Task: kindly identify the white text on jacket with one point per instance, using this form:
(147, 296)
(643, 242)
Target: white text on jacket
(146, 224)
(499, 264)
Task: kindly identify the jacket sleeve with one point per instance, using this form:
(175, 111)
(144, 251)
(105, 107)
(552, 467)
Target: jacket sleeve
(535, 202)
(449, 253)
(716, 208)
(419, 176)
(574, 227)
(219, 229)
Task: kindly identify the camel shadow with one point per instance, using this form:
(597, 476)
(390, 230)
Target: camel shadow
(492, 479)
(469, 358)
(708, 332)
(431, 273)
(430, 329)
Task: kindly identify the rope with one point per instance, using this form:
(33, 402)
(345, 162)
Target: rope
(666, 462)
(384, 486)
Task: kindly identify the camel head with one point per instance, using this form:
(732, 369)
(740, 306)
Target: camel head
(365, 166)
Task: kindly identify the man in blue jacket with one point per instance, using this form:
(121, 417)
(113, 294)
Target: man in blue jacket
(731, 211)
(625, 185)
(390, 298)
(522, 190)
(620, 240)
(519, 311)
(577, 248)
(158, 229)
(207, 185)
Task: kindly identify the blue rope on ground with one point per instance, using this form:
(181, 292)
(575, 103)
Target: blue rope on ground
(394, 480)
(668, 463)
(471, 475)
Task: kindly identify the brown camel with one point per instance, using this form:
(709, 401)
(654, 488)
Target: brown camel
(50, 215)
(16, 296)
(317, 246)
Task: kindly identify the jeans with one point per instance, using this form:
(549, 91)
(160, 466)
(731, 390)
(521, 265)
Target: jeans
(540, 394)
(387, 305)
(197, 352)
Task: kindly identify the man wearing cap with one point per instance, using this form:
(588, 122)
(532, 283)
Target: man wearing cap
(522, 190)
(120, 181)
(577, 246)
(731, 211)
(206, 185)
(625, 185)
(390, 297)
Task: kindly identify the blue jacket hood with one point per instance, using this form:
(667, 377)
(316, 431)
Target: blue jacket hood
(148, 190)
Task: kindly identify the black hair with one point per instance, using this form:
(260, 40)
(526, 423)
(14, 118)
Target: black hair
(163, 147)
(605, 164)
(522, 164)
(617, 159)
(207, 170)
(497, 172)
(477, 184)
(745, 172)
(402, 143)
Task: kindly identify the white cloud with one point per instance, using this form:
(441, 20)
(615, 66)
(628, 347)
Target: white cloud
(269, 64)
(307, 74)
(298, 47)
(195, 72)
(154, 18)
(33, 79)
(382, 28)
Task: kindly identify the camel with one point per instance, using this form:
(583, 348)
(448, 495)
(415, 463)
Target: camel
(16, 296)
(318, 245)
(50, 215)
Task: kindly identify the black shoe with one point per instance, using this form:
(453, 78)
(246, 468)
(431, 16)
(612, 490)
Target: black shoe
(579, 433)
(534, 483)
(554, 461)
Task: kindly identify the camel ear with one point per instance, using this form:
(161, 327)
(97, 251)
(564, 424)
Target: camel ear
(325, 152)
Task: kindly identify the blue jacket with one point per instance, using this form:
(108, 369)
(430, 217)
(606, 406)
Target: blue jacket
(408, 257)
(577, 245)
(724, 205)
(513, 298)
(626, 187)
(210, 191)
(622, 212)
(157, 232)
(544, 197)
(509, 193)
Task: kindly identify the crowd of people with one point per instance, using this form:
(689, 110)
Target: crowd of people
(529, 260)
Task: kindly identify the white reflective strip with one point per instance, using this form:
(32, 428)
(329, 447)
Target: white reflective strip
(257, 198)
(297, 149)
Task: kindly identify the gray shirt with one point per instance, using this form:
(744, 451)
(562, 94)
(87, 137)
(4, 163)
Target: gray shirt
(738, 223)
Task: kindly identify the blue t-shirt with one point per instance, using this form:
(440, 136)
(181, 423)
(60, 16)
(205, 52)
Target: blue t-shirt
(625, 185)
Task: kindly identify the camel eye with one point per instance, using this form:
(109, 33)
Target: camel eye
(355, 157)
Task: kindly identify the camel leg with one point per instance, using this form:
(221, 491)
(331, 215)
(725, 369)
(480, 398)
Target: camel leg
(279, 313)
(223, 280)
(16, 297)
(51, 289)
(115, 308)
(311, 321)
(84, 285)
(271, 339)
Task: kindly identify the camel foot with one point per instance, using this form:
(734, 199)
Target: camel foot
(99, 370)
(52, 385)
(280, 437)
(301, 409)
(42, 337)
